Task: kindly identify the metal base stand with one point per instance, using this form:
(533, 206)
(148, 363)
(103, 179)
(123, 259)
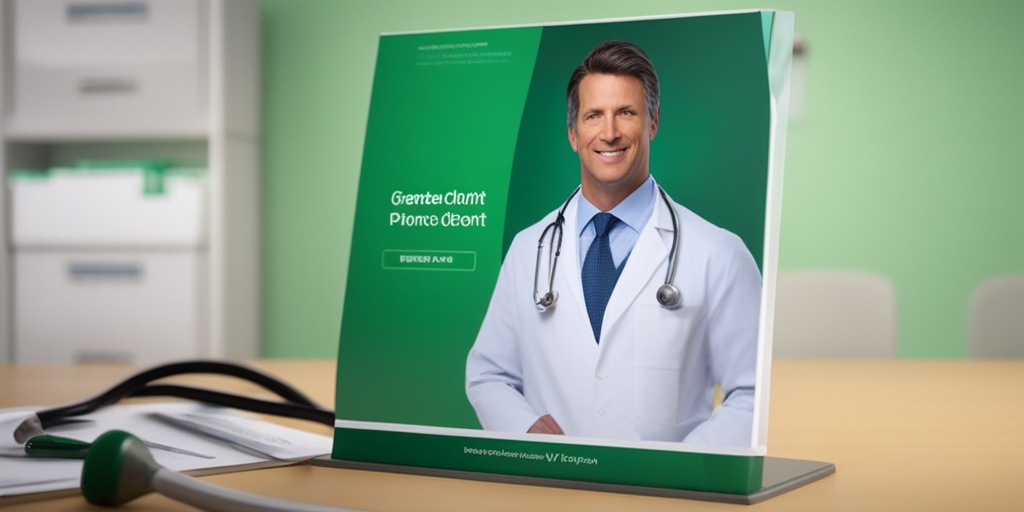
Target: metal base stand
(780, 476)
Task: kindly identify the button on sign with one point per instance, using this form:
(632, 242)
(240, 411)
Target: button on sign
(429, 260)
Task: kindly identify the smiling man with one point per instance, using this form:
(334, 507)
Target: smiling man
(657, 306)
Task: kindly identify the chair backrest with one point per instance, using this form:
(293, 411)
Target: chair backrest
(997, 317)
(834, 314)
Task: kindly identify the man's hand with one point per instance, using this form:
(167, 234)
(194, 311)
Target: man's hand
(546, 425)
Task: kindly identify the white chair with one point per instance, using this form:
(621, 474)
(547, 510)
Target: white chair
(997, 318)
(834, 314)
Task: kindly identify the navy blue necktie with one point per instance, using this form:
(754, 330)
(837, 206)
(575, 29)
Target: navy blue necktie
(599, 272)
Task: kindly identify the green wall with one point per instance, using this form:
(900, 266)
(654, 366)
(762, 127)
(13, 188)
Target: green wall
(908, 159)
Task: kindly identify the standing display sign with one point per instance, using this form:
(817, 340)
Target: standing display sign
(466, 146)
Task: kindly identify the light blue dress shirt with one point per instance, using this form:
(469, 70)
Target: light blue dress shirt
(633, 214)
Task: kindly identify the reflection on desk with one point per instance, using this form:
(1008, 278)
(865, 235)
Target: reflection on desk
(904, 435)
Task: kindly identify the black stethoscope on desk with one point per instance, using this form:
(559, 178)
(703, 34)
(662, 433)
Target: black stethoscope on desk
(295, 404)
(668, 294)
(119, 468)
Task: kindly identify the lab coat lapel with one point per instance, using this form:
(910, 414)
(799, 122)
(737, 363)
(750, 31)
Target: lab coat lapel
(645, 261)
(569, 274)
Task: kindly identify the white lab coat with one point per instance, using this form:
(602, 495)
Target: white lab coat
(652, 376)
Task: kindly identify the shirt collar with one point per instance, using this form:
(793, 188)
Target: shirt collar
(634, 211)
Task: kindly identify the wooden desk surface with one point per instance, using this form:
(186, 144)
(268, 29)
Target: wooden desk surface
(904, 435)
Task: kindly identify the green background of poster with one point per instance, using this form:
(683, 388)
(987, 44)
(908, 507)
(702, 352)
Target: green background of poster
(443, 117)
(484, 110)
(711, 150)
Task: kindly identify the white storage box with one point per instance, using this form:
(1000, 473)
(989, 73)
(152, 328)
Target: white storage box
(92, 306)
(109, 66)
(113, 207)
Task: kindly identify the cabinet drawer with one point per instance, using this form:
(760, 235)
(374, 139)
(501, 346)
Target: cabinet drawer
(132, 307)
(120, 66)
(108, 208)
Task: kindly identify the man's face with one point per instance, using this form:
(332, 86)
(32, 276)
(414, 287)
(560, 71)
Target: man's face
(613, 134)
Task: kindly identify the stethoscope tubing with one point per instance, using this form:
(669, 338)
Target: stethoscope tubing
(549, 298)
(667, 295)
(295, 404)
(671, 276)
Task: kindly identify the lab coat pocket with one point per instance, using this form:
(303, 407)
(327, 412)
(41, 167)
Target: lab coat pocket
(662, 335)
(660, 345)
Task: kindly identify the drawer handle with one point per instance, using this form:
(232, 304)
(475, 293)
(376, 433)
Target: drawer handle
(105, 271)
(103, 357)
(107, 85)
(95, 12)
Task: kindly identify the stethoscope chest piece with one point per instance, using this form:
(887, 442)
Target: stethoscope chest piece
(544, 302)
(669, 296)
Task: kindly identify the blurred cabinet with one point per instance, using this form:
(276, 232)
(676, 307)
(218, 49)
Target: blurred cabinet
(81, 67)
(89, 275)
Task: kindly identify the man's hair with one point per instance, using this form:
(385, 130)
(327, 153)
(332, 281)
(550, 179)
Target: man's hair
(614, 58)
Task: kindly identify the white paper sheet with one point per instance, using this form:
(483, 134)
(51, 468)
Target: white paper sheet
(21, 475)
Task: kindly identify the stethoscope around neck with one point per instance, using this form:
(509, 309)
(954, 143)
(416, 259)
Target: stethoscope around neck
(668, 294)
